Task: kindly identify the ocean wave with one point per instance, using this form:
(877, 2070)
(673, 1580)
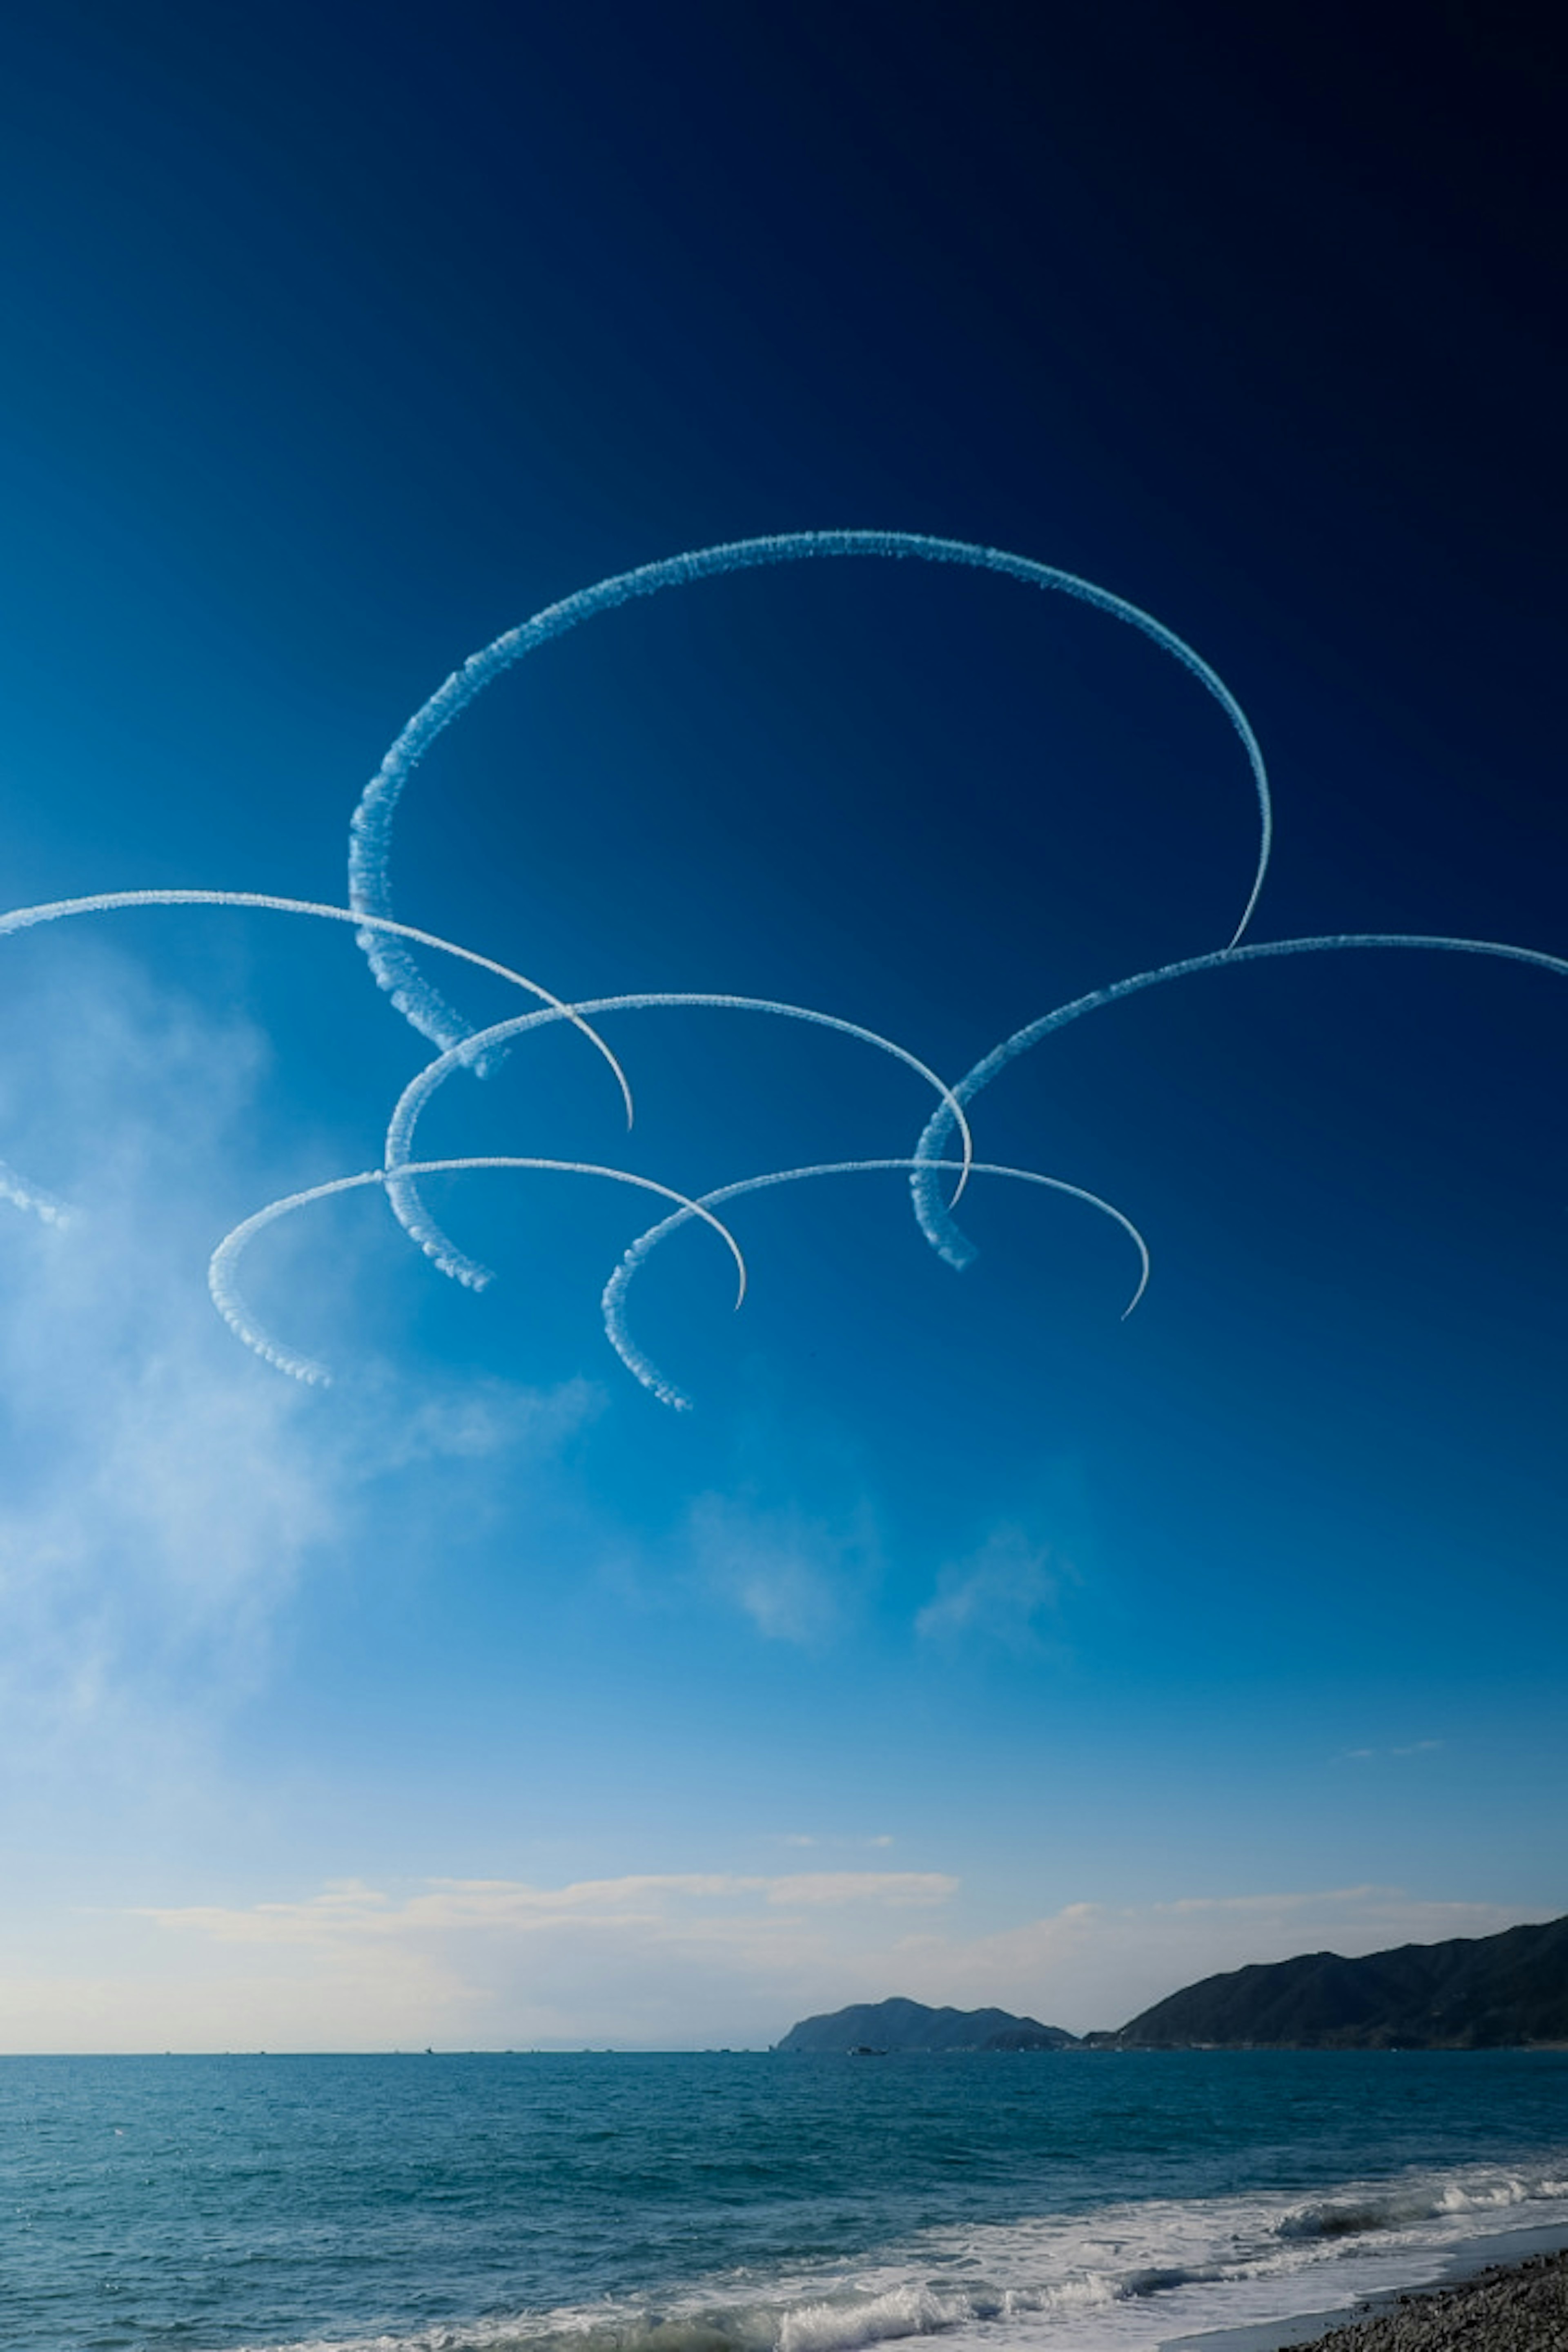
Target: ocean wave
(1116, 2279)
(843, 2321)
(1404, 2208)
(1174, 2274)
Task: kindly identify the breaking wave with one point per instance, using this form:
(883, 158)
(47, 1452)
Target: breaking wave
(1120, 2278)
(1405, 2208)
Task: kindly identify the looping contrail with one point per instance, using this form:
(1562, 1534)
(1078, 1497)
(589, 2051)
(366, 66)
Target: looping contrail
(370, 841)
(221, 1277)
(936, 1223)
(105, 902)
(615, 1296)
(386, 942)
(403, 1195)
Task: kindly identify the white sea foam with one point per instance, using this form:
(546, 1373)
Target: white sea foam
(1120, 2278)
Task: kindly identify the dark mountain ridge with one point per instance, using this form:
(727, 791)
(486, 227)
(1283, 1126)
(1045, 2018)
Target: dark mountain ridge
(884, 2026)
(1484, 1992)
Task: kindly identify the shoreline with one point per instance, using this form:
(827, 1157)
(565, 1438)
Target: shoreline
(1481, 2298)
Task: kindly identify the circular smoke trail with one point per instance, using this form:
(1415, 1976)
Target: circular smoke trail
(403, 1194)
(222, 1270)
(106, 902)
(613, 1301)
(935, 1222)
(387, 942)
(369, 832)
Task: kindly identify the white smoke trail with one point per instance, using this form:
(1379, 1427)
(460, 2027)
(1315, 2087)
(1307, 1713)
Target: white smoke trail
(615, 1294)
(21, 1194)
(410, 1210)
(103, 902)
(935, 1222)
(370, 841)
(25, 1194)
(396, 970)
(222, 1270)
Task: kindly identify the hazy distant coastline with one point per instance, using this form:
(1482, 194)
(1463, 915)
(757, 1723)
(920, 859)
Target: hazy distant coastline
(1508, 1991)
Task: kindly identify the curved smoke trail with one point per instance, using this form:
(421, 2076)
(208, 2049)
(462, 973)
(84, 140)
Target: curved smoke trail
(403, 1195)
(103, 902)
(222, 1277)
(615, 1296)
(370, 839)
(23, 1194)
(935, 1222)
(387, 943)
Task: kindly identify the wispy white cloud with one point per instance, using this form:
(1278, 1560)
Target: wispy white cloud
(349, 1908)
(665, 1959)
(486, 1418)
(161, 1493)
(892, 1887)
(863, 1844)
(158, 1500)
(1409, 1748)
(797, 1576)
(1001, 1591)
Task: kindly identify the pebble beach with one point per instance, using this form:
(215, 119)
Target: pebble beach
(1522, 2307)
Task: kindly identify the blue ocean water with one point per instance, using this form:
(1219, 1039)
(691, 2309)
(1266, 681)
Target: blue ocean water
(747, 2203)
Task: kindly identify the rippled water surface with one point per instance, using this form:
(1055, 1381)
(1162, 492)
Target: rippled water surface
(747, 2203)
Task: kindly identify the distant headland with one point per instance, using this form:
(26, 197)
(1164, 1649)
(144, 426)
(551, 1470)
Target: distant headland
(1480, 1992)
(875, 2028)
(1483, 1992)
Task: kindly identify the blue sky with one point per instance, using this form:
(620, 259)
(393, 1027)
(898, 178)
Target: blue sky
(964, 1641)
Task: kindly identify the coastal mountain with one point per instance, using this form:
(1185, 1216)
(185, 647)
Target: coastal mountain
(1485, 1992)
(878, 2026)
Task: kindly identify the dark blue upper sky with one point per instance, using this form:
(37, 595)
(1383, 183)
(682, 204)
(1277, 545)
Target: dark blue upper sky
(338, 339)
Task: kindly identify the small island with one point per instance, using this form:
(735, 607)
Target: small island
(876, 2029)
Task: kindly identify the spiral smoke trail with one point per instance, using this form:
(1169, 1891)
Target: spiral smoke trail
(222, 1269)
(613, 1301)
(370, 839)
(937, 1224)
(403, 1195)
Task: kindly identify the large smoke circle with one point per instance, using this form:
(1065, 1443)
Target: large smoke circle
(944, 1157)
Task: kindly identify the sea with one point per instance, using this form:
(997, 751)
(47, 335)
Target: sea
(1037, 2201)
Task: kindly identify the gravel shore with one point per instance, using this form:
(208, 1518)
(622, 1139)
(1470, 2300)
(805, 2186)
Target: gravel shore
(1522, 2308)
